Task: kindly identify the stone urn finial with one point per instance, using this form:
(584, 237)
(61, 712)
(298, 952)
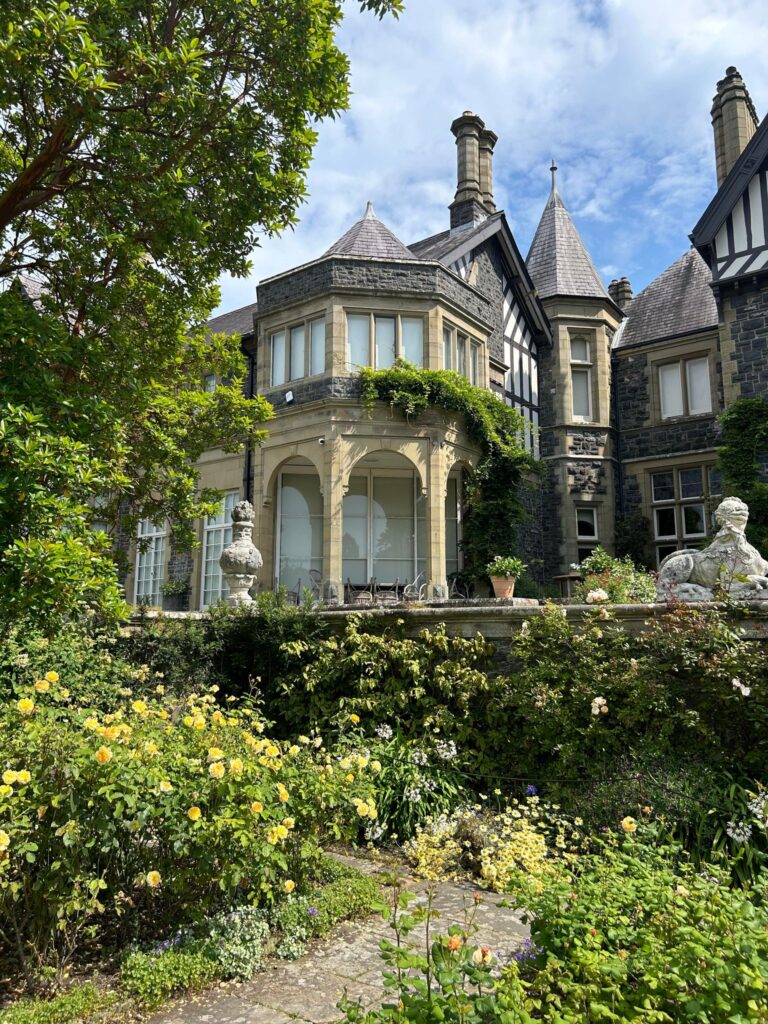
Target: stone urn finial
(241, 559)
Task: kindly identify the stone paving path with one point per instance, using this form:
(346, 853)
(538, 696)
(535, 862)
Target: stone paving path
(306, 991)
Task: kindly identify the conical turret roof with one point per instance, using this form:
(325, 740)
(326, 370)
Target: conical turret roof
(369, 237)
(558, 260)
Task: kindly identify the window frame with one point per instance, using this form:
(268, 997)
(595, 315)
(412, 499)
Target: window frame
(287, 331)
(156, 532)
(582, 366)
(472, 349)
(208, 529)
(683, 362)
(398, 316)
(666, 543)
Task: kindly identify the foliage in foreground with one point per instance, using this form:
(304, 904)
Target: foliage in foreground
(630, 932)
(77, 1002)
(152, 815)
(741, 459)
(616, 578)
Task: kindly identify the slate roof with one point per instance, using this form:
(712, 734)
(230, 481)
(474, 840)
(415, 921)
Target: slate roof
(437, 246)
(558, 260)
(369, 237)
(680, 301)
(238, 321)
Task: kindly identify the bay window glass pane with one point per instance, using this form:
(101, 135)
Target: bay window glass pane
(691, 483)
(580, 350)
(693, 520)
(715, 482)
(581, 396)
(461, 352)
(392, 528)
(301, 529)
(355, 535)
(297, 352)
(278, 359)
(385, 341)
(452, 526)
(210, 382)
(447, 348)
(317, 347)
(586, 525)
(217, 534)
(473, 364)
(359, 329)
(150, 562)
(413, 340)
(699, 395)
(670, 390)
(665, 522)
(663, 487)
(663, 550)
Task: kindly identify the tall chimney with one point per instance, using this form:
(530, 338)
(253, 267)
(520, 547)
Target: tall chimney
(467, 207)
(487, 141)
(621, 292)
(734, 121)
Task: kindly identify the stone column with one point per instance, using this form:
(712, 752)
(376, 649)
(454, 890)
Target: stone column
(437, 585)
(333, 520)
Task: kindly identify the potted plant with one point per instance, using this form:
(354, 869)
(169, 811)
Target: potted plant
(504, 570)
(175, 594)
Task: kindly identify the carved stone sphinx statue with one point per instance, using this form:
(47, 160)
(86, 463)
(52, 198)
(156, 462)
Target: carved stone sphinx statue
(241, 559)
(729, 563)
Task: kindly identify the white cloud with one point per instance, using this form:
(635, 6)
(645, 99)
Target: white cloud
(618, 91)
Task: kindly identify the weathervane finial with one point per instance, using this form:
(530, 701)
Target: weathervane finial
(553, 172)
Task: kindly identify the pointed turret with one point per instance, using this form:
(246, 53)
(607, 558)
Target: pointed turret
(558, 260)
(370, 237)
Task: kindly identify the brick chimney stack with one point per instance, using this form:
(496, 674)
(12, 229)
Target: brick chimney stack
(474, 151)
(734, 121)
(621, 292)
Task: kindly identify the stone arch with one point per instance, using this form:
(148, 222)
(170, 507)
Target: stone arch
(410, 453)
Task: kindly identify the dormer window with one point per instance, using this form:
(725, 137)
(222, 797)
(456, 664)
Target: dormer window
(298, 351)
(377, 340)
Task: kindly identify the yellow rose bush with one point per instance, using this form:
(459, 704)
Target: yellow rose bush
(153, 814)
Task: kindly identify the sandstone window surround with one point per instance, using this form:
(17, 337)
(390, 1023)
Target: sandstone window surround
(297, 351)
(463, 354)
(378, 339)
(150, 562)
(680, 499)
(586, 531)
(581, 379)
(217, 533)
(684, 387)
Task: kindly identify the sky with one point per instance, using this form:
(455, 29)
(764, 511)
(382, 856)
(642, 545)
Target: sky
(618, 92)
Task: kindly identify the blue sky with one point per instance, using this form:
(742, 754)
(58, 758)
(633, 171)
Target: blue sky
(617, 91)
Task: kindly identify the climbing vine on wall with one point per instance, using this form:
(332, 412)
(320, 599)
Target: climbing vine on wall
(743, 459)
(493, 509)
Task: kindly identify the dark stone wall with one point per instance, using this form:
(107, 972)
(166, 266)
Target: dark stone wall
(588, 442)
(314, 390)
(749, 332)
(490, 268)
(548, 442)
(530, 533)
(372, 277)
(551, 523)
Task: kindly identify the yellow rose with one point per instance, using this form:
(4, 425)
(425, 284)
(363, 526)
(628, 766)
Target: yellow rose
(151, 748)
(199, 722)
(188, 720)
(215, 754)
(216, 770)
(304, 740)
(42, 686)
(6, 790)
(23, 776)
(52, 677)
(350, 777)
(91, 723)
(629, 824)
(375, 767)
(354, 719)
(289, 822)
(103, 755)
(293, 750)
(272, 750)
(10, 776)
(236, 766)
(362, 808)
(64, 694)
(153, 879)
(194, 813)
(257, 807)
(5, 841)
(282, 832)
(160, 689)
(26, 706)
(217, 717)
(289, 885)
(282, 794)
(110, 733)
(165, 786)
(139, 707)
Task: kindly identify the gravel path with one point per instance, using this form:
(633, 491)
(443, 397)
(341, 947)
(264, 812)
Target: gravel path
(306, 991)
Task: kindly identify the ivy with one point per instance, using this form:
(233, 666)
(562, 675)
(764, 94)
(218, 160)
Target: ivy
(743, 457)
(493, 509)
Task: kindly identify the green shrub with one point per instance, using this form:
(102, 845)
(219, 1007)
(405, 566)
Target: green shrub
(237, 938)
(617, 577)
(76, 1003)
(152, 977)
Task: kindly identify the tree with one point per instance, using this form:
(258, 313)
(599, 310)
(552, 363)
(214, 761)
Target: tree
(144, 144)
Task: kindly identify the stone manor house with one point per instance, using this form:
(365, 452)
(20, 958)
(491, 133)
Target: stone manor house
(621, 395)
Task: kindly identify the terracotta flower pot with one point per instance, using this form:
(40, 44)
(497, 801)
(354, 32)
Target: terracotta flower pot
(503, 586)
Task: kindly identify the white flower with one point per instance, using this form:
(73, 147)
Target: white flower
(739, 831)
(737, 684)
(598, 596)
(419, 757)
(384, 731)
(446, 749)
(598, 704)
